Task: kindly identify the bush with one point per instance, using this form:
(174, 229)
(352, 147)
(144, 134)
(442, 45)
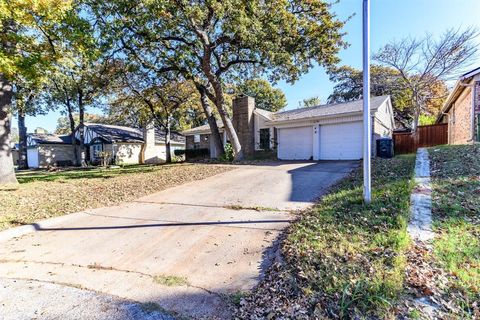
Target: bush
(192, 153)
(228, 155)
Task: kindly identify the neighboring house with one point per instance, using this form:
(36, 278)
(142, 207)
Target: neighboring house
(44, 150)
(326, 132)
(128, 145)
(124, 145)
(462, 110)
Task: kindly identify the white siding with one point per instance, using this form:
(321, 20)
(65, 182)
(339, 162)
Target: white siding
(295, 143)
(382, 125)
(128, 153)
(341, 141)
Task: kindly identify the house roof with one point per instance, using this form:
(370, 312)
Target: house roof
(456, 91)
(202, 129)
(328, 110)
(50, 138)
(264, 113)
(113, 133)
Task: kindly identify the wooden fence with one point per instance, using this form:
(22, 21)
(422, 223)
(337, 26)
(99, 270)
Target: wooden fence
(425, 136)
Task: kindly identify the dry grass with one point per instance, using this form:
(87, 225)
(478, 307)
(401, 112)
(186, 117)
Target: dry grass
(456, 213)
(342, 259)
(42, 199)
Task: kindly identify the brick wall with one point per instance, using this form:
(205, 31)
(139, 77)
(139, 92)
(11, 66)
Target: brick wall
(459, 117)
(243, 122)
(477, 110)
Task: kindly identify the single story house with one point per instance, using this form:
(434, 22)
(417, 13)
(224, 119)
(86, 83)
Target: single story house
(461, 110)
(325, 132)
(125, 145)
(44, 150)
(128, 145)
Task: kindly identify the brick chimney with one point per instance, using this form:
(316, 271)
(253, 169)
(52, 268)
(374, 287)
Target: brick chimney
(243, 122)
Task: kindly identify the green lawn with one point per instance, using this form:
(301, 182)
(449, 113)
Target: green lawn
(43, 194)
(456, 213)
(342, 258)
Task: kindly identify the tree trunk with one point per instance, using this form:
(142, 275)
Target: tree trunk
(228, 124)
(81, 130)
(7, 172)
(22, 133)
(220, 104)
(168, 158)
(71, 121)
(212, 122)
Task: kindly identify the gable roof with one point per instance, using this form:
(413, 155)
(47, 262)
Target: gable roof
(329, 110)
(50, 138)
(264, 113)
(112, 133)
(456, 91)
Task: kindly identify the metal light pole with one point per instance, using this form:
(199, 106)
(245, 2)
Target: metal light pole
(367, 119)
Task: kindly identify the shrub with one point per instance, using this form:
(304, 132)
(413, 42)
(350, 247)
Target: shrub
(228, 155)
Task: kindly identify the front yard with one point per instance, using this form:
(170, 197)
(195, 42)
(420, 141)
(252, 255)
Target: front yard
(456, 214)
(342, 258)
(43, 194)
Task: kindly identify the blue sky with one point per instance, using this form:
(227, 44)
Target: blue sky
(390, 20)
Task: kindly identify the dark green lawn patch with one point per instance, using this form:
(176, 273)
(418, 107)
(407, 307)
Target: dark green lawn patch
(456, 213)
(342, 258)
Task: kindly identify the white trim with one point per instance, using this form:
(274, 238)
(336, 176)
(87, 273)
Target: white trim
(306, 123)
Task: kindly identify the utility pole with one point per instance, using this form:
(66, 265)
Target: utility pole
(367, 119)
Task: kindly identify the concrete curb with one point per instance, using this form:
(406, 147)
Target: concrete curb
(30, 228)
(420, 225)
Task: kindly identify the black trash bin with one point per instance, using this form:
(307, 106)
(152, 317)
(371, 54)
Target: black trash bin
(385, 148)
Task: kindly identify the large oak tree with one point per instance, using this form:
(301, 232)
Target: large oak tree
(211, 41)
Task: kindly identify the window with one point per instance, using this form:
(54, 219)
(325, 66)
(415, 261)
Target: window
(196, 141)
(265, 139)
(96, 149)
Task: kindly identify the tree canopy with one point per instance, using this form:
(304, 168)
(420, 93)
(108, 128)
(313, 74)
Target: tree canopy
(385, 81)
(424, 64)
(214, 42)
(266, 97)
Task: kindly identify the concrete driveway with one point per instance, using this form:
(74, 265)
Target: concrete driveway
(208, 238)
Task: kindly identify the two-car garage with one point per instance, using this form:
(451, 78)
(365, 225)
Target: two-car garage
(341, 141)
(330, 132)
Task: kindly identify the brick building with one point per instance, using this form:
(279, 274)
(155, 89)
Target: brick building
(462, 110)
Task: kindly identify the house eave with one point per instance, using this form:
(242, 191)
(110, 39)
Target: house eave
(456, 92)
(317, 119)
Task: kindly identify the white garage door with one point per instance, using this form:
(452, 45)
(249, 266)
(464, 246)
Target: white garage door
(341, 141)
(295, 143)
(32, 157)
